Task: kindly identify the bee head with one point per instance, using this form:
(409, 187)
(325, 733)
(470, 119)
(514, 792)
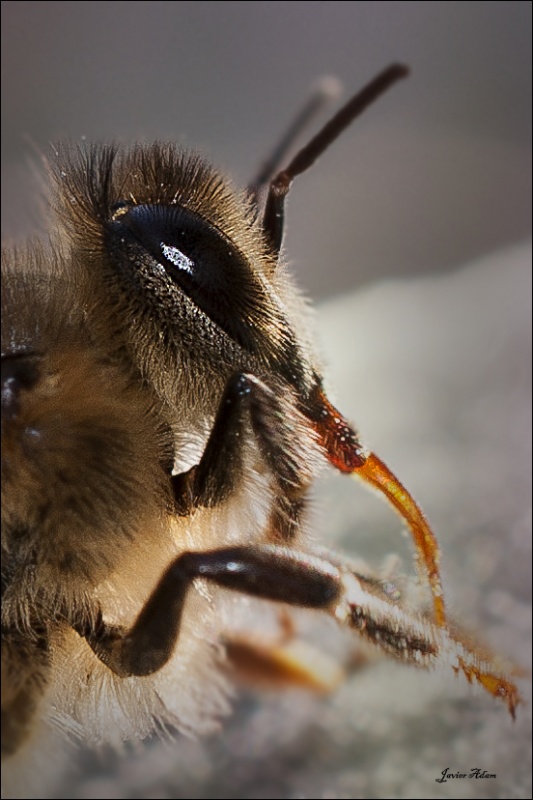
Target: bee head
(180, 257)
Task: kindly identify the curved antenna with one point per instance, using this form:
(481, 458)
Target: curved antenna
(306, 157)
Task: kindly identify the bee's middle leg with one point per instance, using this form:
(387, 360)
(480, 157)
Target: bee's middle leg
(267, 571)
(273, 418)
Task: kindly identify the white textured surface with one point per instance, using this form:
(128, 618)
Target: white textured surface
(436, 373)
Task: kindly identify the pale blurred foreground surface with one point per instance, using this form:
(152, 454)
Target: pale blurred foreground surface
(436, 373)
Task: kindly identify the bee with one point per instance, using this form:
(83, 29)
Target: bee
(164, 418)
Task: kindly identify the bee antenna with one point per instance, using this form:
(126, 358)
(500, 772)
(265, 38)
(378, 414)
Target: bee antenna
(325, 91)
(279, 185)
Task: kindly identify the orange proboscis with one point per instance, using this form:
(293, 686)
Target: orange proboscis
(346, 454)
(344, 451)
(377, 474)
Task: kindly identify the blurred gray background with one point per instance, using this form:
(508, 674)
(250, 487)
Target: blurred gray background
(438, 172)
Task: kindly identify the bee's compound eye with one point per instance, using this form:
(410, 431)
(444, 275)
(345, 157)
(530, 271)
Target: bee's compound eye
(183, 242)
(197, 258)
(19, 371)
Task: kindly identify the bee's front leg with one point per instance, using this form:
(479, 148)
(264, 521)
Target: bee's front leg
(270, 572)
(283, 575)
(286, 444)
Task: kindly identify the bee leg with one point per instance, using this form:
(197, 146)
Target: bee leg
(273, 419)
(280, 659)
(212, 480)
(266, 663)
(270, 572)
(282, 575)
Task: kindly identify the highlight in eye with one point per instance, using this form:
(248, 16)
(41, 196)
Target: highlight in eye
(177, 258)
